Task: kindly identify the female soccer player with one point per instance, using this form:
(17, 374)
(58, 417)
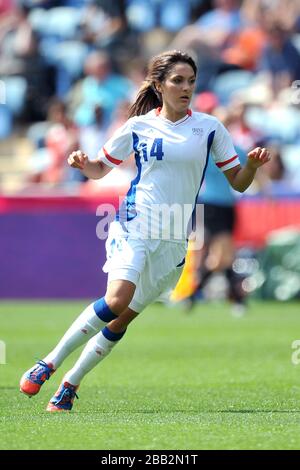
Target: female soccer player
(172, 146)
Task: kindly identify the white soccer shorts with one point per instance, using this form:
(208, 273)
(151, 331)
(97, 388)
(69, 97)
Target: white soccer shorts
(154, 266)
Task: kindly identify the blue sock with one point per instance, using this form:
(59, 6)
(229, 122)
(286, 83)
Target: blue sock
(108, 334)
(103, 311)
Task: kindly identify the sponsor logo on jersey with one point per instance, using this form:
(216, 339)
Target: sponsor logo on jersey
(197, 130)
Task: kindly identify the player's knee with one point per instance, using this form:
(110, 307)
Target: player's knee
(117, 304)
(124, 319)
(119, 295)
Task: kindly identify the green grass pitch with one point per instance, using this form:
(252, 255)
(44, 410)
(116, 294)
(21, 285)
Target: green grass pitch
(203, 380)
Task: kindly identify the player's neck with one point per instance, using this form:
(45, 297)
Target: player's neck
(171, 114)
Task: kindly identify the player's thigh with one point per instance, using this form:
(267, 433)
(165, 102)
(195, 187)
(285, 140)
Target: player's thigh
(161, 273)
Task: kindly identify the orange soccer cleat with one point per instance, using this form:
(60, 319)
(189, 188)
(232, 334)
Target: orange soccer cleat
(63, 398)
(34, 378)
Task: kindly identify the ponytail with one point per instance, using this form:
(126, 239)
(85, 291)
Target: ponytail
(147, 98)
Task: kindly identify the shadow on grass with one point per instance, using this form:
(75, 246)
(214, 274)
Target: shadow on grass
(187, 411)
(253, 411)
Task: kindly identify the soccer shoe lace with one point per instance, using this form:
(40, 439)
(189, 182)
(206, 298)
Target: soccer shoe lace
(64, 398)
(40, 373)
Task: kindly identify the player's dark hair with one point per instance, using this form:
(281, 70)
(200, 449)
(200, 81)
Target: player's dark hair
(160, 66)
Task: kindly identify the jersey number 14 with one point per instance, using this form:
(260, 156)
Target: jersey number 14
(156, 150)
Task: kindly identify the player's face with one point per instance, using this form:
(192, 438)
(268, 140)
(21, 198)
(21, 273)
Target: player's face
(178, 87)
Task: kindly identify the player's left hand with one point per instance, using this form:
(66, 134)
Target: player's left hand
(258, 157)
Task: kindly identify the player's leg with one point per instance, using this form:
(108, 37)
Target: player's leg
(94, 318)
(91, 320)
(199, 273)
(203, 270)
(218, 223)
(94, 352)
(160, 273)
(221, 259)
(220, 253)
(125, 261)
(236, 293)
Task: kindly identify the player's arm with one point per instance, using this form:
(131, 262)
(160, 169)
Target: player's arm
(239, 177)
(93, 169)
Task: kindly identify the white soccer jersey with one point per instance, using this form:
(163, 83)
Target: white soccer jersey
(171, 159)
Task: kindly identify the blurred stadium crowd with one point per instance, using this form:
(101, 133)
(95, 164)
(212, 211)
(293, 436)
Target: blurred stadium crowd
(69, 70)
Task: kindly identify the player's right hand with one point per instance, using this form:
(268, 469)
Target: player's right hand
(78, 159)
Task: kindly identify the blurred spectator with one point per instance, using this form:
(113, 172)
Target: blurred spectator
(225, 18)
(17, 42)
(114, 9)
(280, 59)
(98, 28)
(285, 11)
(274, 179)
(93, 137)
(146, 15)
(247, 44)
(136, 71)
(92, 53)
(42, 3)
(6, 7)
(100, 87)
(119, 117)
(213, 29)
(60, 44)
(243, 135)
(27, 79)
(275, 168)
(61, 138)
(234, 115)
(206, 102)
(208, 37)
